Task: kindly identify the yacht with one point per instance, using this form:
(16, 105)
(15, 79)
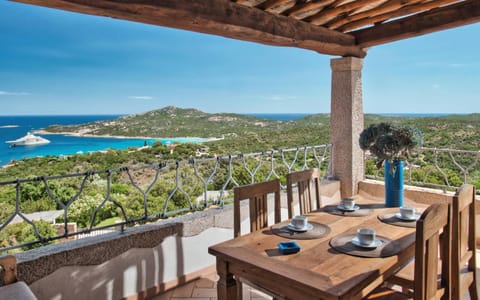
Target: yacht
(28, 140)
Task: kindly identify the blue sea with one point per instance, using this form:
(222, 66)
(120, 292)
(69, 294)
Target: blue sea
(62, 144)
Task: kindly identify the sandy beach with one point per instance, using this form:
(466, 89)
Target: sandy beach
(81, 134)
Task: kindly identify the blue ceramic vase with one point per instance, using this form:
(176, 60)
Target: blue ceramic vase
(393, 183)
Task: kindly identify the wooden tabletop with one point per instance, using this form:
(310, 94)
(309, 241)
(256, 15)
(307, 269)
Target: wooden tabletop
(317, 271)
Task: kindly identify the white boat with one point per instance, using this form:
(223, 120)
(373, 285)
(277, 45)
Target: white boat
(28, 140)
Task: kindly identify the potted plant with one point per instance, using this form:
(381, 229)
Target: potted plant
(391, 144)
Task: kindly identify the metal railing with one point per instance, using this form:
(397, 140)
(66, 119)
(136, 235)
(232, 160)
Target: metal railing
(445, 169)
(138, 194)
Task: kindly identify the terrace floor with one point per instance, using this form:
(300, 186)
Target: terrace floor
(206, 289)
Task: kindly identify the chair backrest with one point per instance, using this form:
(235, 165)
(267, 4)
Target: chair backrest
(463, 239)
(434, 221)
(303, 180)
(258, 204)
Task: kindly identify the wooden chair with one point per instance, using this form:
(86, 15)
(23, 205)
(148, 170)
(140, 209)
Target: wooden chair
(305, 197)
(434, 221)
(463, 247)
(258, 207)
(257, 194)
(463, 258)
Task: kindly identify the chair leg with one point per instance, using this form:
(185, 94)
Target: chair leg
(473, 291)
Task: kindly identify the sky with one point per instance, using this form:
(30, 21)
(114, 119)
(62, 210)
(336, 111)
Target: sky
(54, 62)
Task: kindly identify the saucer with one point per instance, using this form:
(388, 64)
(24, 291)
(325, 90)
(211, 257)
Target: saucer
(305, 228)
(343, 208)
(399, 216)
(376, 243)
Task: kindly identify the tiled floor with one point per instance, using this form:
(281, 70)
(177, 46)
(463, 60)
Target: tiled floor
(206, 289)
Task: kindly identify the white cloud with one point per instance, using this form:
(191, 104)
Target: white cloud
(279, 98)
(5, 93)
(141, 97)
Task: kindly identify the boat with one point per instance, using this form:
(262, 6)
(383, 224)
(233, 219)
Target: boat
(28, 140)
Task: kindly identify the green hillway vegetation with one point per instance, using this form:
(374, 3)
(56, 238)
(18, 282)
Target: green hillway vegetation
(242, 134)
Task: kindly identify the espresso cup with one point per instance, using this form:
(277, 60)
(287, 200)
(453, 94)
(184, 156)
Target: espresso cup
(348, 203)
(300, 222)
(407, 212)
(366, 236)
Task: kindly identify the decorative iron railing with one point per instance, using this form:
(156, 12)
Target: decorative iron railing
(445, 169)
(115, 198)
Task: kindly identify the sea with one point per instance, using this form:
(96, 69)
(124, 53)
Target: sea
(14, 127)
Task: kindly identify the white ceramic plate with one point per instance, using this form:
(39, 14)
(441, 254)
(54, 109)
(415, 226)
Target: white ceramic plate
(399, 216)
(306, 228)
(343, 208)
(376, 243)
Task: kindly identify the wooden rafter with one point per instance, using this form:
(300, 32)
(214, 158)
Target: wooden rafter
(462, 13)
(406, 10)
(219, 17)
(303, 11)
(336, 27)
(277, 6)
(328, 14)
(387, 7)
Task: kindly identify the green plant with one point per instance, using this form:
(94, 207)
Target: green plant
(390, 142)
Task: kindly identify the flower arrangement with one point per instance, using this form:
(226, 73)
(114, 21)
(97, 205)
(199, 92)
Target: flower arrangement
(390, 142)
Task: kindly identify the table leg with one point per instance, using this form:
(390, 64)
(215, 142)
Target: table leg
(227, 287)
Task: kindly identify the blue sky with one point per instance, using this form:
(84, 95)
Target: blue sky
(54, 62)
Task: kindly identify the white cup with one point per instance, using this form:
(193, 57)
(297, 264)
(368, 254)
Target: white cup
(348, 203)
(300, 222)
(366, 236)
(408, 212)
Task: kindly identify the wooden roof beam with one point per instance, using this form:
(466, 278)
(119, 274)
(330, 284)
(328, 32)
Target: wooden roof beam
(218, 17)
(459, 14)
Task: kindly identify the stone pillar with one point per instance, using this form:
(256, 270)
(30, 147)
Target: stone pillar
(346, 123)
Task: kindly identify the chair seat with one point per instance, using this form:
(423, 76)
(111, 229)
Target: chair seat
(384, 293)
(405, 276)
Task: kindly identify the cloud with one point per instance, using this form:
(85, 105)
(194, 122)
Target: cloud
(5, 93)
(141, 97)
(279, 98)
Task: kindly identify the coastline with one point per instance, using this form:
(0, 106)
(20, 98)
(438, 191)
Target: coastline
(81, 134)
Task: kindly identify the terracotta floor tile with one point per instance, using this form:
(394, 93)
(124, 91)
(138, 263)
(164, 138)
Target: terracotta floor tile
(205, 283)
(164, 296)
(203, 292)
(184, 290)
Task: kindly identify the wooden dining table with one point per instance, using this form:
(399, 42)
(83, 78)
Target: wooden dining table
(317, 271)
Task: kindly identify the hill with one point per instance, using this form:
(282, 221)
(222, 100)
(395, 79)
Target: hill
(172, 121)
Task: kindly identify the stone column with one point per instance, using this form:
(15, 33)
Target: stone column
(346, 123)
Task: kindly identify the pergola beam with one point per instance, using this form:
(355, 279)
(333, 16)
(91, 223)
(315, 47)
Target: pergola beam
(459, 14)
(219, 17)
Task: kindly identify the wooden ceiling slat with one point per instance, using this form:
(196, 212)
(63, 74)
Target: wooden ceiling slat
(440, 18)
(328, 14)
(389, 6)
(277, 6)
(219, 17)
(303, 11)
(251, 3)
(407, 10)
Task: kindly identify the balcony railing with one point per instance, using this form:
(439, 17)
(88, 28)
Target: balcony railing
(445, 169)
(144, 193)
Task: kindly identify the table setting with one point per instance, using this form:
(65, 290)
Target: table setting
(348, 208)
